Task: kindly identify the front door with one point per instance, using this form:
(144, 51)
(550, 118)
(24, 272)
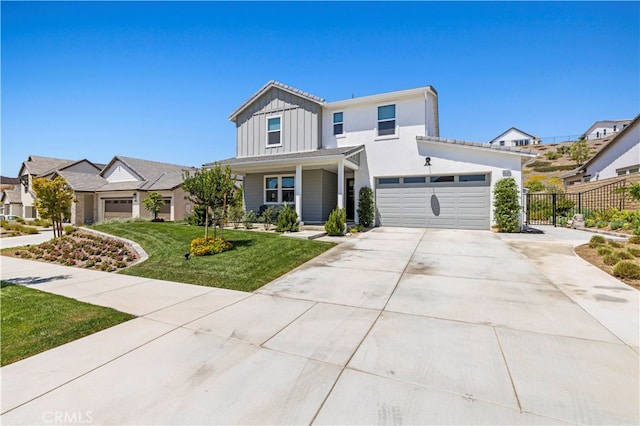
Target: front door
(350, 199)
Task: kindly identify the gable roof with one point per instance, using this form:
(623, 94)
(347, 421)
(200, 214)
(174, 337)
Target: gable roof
(477, 145)
(36, 165)
(154, 175)
(13, 195)
(274, 84)
(515, 129)
(614, 140)
(82, 182)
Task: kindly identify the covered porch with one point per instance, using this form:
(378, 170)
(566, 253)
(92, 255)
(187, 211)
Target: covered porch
(314, 182)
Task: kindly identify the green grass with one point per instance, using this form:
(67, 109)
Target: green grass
(34, 321)
(256, 258)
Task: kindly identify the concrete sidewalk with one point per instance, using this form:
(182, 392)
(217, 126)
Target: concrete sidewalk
(394, 326)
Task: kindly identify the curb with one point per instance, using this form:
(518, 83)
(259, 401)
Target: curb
(142, 255)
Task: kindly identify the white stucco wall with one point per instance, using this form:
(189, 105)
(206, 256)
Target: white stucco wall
(415, 116)
(624, 152)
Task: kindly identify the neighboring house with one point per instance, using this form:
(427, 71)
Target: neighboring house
(294, 147)
(11, 202)
(108, 191)
(619, 157)
(515, 137)
(129, 180)
(602, 129)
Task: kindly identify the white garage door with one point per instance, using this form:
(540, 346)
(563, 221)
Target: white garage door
(453, 201)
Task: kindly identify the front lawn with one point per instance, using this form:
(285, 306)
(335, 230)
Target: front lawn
(33, 321)
(256, 258)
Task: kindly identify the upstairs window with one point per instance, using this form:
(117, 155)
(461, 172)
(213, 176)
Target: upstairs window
(274, 133)
(338, 123)
(386, 120)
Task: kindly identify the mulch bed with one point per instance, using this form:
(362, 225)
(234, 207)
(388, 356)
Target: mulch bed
(82, 250)
(591, 255)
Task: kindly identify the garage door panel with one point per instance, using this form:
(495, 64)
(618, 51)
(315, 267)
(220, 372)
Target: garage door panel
(463, 205)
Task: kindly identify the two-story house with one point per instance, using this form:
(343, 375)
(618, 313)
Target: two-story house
(294, 147)
(602, 129)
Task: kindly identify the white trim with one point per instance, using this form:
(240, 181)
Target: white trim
(267, 118)
(395, 121)
(333, 124)
(279, 189)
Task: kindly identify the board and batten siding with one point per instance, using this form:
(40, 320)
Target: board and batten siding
(319, 193)
(329, 193)
(300, 124)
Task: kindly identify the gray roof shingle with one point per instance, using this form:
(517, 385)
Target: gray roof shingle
(345, 151)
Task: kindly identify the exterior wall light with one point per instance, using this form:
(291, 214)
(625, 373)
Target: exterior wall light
(427, 161)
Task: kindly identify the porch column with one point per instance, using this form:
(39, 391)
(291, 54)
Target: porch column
(341, 184)
(298, 191)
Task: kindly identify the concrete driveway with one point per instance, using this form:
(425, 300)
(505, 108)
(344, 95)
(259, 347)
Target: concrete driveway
(394, 326)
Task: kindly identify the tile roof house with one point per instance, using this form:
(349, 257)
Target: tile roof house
(294, 147)
(110, 190)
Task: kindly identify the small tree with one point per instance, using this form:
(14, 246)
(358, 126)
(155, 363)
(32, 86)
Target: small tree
(211, 188)
(336, 224)
(580, 151)
(153, 203)
(506, 205)
(365, 207)
(267, 217)
(54, 198)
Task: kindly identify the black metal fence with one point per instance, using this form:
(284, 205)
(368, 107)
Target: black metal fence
(557, 209)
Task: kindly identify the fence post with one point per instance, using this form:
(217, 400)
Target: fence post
(580, 202)
(553, 207)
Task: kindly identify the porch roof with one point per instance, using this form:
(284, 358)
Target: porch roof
(319, 156)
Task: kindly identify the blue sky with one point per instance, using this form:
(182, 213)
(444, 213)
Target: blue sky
(158, 80)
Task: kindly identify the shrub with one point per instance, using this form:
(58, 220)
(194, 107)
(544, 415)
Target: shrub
(614, 244)
(627, 269)
(534, 185)
(610, 259)
(589, 223)
(208, 246)
(602, 224)
(235, 215)
(20, 220)
(267, 216)
(197, 217)
(616, 224)
(287, 220)
(624, 255)
(365, 207)
(604, 250)
(29, 230)
(634, 239)
(597, 240)
(506, 206)
(553, 155)
(635, 252)
(69, 229)
(336, 223)
(249, 219)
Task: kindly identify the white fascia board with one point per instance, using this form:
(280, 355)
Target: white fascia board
(382, 97)
(249, 166)
(470, 145)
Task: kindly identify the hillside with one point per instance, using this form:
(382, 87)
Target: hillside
(554, 160)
